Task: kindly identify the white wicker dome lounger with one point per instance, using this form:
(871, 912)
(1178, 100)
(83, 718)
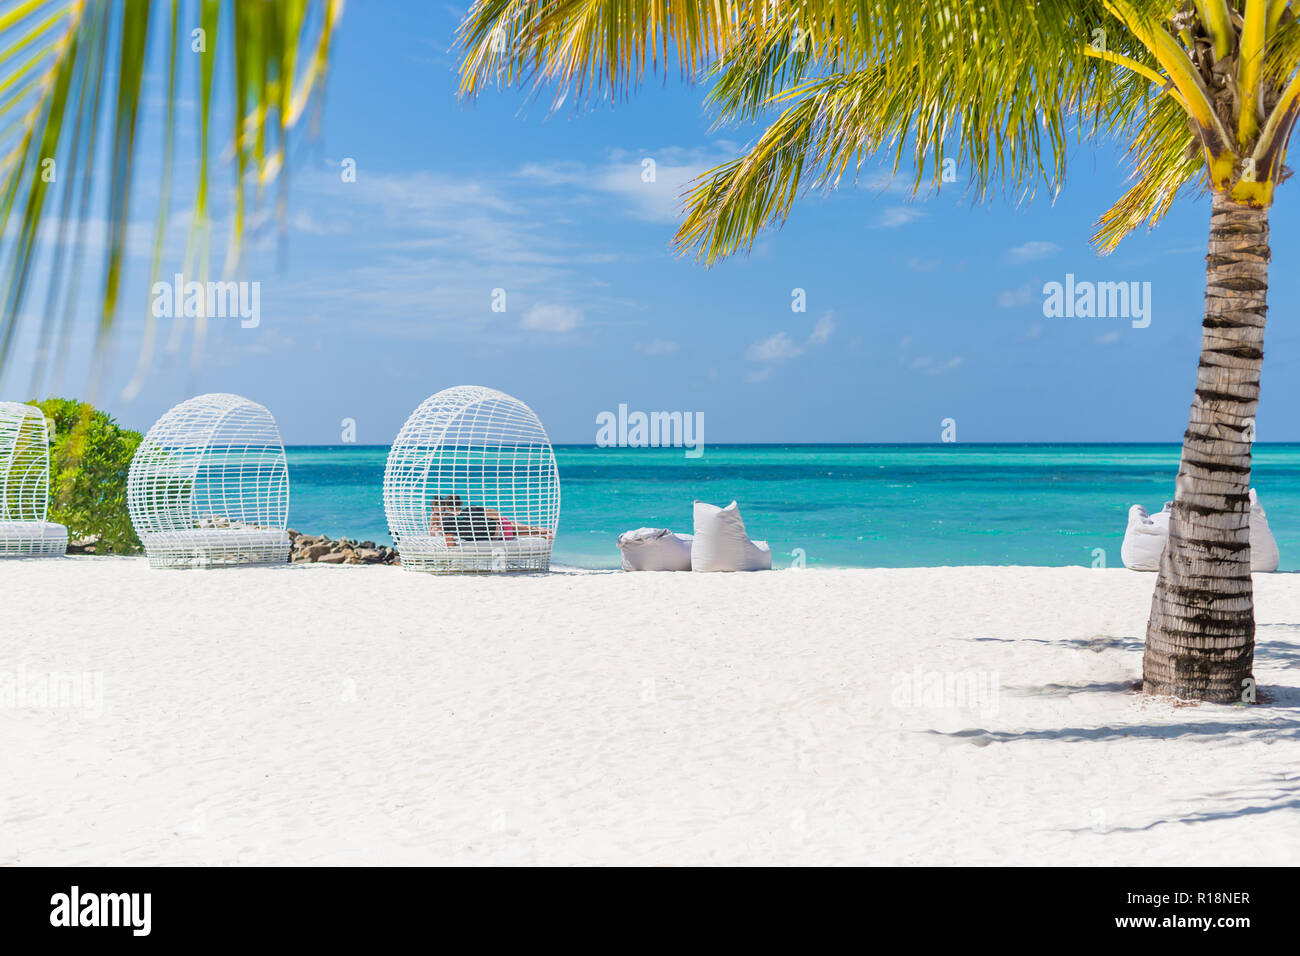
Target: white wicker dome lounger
(489, 451)
(25, 486)
(209, 486)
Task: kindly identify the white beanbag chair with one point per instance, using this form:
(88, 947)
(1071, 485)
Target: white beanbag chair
(1263, 546)
(29, 539)
(721, 543)
(1144, 540)
(655, 549)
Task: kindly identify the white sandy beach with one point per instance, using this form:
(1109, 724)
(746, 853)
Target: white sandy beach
(340, 715)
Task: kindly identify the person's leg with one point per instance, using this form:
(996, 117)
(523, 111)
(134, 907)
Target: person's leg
(528, 531)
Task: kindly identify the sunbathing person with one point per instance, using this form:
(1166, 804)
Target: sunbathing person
(456, 523)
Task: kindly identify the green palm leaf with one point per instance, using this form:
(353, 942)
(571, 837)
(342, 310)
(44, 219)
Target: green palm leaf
(55, 110)
(1001, 87)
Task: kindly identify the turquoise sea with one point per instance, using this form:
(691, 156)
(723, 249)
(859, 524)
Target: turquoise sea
(842, 505)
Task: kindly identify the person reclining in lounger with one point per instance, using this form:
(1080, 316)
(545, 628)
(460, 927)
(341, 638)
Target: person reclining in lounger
(455, 522)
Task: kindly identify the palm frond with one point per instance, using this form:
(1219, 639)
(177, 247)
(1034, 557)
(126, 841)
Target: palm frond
(56, 54)
(1166, 158)
(591, 48)
(999, 86)
(1002, 112)
(730, 204)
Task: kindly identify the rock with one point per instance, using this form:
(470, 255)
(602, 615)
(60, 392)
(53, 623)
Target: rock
(320, 549)
(86, 545)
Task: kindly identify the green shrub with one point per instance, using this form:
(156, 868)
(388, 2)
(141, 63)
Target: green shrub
(89, 462)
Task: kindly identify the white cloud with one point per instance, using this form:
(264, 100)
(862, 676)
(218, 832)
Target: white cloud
(268, 342)
(650, 183)
(437, 247)
(657, 347)
(1010, 298)
(774, 348)
(1110, 338)
(1032, 251)
(551, 318)
(304, 221)
(938, 368)
(429, 198)
(899, 216)
(781, 348)
(904, 184)
(822, 331)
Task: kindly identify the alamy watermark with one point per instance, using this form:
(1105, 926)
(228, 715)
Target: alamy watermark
(1102, 300)
(970, 690)
(214, 300)
(126, 910)
(25, 689)
(626, 429)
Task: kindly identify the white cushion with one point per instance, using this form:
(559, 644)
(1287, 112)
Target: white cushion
(721, 543)
(1144, 539)
(217, 537)
(37, 530)
(32, 539)
(1263, 546)
(431, 553)
(210, 547)
(527, 545)
(655, 549)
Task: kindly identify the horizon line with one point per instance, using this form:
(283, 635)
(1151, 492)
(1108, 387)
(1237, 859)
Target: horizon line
(814, 444)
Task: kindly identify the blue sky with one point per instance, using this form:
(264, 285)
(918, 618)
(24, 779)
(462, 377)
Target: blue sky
(915, 311)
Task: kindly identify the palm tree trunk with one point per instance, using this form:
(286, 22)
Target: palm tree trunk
(1201, 637)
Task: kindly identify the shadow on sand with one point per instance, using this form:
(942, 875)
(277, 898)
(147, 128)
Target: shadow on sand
(1096, 644)
(1274, 719)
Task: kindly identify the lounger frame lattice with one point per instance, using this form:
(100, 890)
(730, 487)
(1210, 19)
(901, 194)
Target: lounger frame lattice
(25, 531)
(489, 449)
(209, 486)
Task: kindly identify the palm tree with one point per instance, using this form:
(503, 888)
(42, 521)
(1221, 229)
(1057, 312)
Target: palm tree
(73, 73)
(1205, 94)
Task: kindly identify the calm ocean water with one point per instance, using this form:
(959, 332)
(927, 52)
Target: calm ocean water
(843, 505)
